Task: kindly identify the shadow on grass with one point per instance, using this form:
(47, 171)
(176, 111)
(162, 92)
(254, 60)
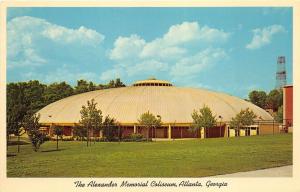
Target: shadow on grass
(11, 155)
(9, 143)
(52, 150)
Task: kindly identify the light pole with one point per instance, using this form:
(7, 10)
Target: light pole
(119, 131)
(220, 117)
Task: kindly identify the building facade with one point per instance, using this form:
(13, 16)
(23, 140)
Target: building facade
(288, 107)
(173, 104)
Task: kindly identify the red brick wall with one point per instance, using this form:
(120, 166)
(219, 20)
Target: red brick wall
(67, 131)
(215, 132)
(126, 131)
(288, 105)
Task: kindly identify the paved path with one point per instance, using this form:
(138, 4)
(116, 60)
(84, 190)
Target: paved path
(285, 171)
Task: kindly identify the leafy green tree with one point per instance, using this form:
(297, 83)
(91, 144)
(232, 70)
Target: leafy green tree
(275, 99)
(119, 83)
(33, 96)
(110, 128)
(203, 119)
(80, 132)
(91, 118)
(82, 86)
(91, 86)
(148, 120)
(101, 86)
(22, 98)
(111, 84)
(279, 115)
(258, 98)
(57, 91)
(19, 132)
(14, 108)
(32, 126)
(58, 131)
(243, 118)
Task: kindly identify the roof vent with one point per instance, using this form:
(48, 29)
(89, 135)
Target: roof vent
(152, 82)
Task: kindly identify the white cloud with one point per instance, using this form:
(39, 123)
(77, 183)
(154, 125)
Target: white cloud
(151, 67)
(263, 36)
(182, 45)
(191, 31)
(127, 47)
(182, 33)
(172, 44)
(193, 65)
(35, 42)
(66, 35)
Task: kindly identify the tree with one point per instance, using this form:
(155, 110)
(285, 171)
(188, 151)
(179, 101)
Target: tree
(111, 84)
(148, 120)
(91, 118)
(33, 96)
(57, 91)
(91, 86)
(275, 99)
(243, 118)
(15, 108)
(258, 98)
(18, 104)
(31, 125)
(110, 128)
(82, 86)
(22, 98)
(279, 115)
(119, 83)
(58, 131)
(203, 119)
(18, 133)
(80, 132)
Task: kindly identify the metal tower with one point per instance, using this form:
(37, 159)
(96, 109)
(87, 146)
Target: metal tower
(281, 72)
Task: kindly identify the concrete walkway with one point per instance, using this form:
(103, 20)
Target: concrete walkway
(285, 171)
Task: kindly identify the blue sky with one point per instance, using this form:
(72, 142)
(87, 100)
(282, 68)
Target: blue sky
(233, 50)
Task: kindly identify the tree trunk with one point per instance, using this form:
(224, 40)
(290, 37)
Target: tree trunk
(87, 137)
(93, 136)
(57, 142)
(18, 143)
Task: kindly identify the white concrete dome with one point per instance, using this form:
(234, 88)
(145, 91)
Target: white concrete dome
(126, 104)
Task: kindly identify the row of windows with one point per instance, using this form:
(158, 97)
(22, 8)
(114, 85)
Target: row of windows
(153, 84)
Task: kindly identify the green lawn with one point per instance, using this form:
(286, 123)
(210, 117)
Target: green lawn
(185, 158)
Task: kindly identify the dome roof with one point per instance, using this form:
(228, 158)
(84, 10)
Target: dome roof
(126, 104)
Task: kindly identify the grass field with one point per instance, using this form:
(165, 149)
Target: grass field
(181, 158)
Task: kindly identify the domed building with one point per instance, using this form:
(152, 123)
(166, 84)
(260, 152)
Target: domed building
(174, 105)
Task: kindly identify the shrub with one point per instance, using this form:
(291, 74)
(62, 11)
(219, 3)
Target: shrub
(134, 138)
(47, 138)
(68, 139)
(17, 143)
